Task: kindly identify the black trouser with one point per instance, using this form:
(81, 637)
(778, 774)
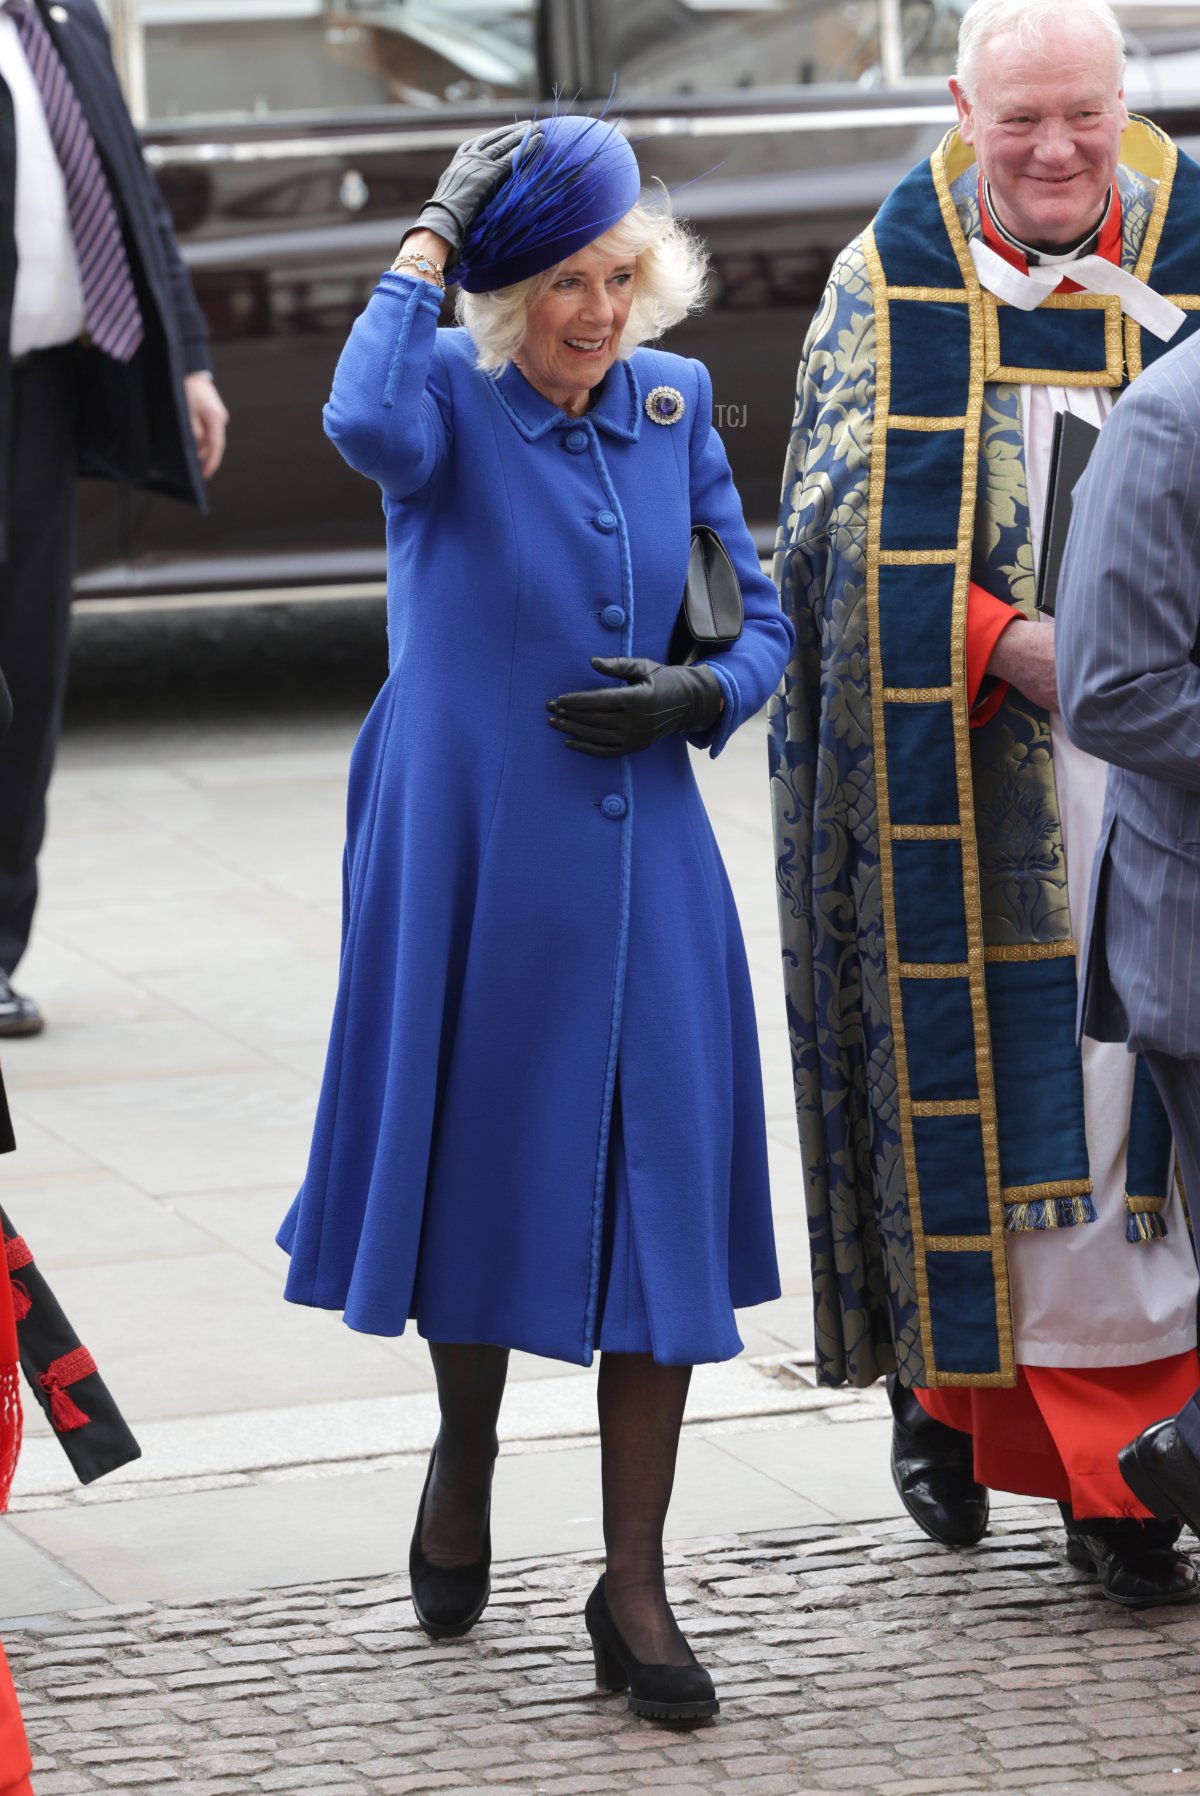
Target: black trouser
(35, 620)
(1178, 1084)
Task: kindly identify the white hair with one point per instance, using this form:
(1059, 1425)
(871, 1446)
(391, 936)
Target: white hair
(986, 19)
(671, 268)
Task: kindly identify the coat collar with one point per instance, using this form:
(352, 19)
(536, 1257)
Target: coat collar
(617, 411)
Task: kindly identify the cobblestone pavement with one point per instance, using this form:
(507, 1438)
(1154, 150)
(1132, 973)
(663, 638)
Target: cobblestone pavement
(847, 1659)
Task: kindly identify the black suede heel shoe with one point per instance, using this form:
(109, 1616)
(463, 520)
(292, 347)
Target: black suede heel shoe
(659, 1692)
(448, 1599)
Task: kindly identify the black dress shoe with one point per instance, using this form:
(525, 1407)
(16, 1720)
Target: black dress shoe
(18, 1015)
(1135, 1561)
(1163, 1473)
(448, 1599)
(933, 1471)
(657, 1692)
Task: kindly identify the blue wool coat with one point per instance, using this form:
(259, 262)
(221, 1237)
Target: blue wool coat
(522, 923)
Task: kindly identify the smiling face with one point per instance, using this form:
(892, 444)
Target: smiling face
(573, 332)
(1046, 127)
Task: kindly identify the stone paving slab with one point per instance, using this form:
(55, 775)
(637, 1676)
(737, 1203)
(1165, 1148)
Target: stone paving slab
(848, 1658)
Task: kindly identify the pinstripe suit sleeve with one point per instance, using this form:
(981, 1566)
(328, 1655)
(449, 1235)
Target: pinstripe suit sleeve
(1129, 595)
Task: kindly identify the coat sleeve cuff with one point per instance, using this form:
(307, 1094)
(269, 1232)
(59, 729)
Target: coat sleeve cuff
(411, 289)
(717, 735)
(987, 619)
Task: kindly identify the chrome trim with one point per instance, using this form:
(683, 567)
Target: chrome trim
(216, 600)
(379, 142)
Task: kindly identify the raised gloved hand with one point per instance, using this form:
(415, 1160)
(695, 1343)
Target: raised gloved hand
(476, 170)
(657, 701)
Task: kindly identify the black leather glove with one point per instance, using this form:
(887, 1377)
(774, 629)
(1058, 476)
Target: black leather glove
(658, 701)
(476, 170)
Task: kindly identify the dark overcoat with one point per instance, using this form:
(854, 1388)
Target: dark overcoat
(133, 424)
(523, 924)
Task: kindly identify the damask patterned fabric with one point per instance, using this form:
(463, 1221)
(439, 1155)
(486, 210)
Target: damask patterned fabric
(873, 1287)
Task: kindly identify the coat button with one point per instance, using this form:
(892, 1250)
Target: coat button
(575, 440)
(614, 805)
(613, 617)
(606, 521)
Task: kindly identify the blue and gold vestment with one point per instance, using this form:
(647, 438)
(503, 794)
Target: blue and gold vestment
(929, 961)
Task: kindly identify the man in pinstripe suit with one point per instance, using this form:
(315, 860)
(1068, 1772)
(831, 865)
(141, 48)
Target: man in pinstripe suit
(1128, 630)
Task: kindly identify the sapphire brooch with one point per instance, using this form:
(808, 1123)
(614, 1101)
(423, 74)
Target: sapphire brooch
(665, 405)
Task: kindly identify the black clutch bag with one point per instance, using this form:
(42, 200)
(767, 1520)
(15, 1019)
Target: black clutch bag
(712, 613)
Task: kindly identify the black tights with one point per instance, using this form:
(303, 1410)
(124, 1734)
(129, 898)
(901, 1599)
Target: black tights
(641, 1412)
(640, 1406)
(470, 1383)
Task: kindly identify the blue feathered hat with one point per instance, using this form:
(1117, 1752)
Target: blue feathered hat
(573, 178)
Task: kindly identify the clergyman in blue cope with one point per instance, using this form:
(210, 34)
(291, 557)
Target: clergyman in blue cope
(541, 1119)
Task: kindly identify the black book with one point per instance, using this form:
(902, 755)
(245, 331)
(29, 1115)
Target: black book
(1074, 440)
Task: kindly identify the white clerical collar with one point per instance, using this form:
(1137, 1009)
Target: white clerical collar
(1045, 258)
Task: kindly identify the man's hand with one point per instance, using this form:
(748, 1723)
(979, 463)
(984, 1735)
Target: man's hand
(1024, 656)
(209, 419)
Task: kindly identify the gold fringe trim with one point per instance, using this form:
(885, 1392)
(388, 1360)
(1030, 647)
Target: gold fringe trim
(1028, 1194)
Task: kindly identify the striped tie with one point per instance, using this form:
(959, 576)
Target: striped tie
(114, 321)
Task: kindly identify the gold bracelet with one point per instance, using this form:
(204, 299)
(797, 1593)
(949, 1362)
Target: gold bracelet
(423, 265)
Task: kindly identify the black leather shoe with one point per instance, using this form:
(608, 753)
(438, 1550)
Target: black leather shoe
(1135, 1561)
(657, 1692)
(448, 1599)
(18, 1015)
(1163, 1473)
(933, 1471)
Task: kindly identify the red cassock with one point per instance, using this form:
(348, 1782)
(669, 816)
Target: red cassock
(1057, 1432)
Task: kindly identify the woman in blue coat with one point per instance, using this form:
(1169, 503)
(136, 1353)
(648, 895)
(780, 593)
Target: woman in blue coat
(541, 1121)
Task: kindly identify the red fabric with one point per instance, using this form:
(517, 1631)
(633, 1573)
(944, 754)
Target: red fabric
(15, 1763)
(18, 1255)
(1108, 245)
(67, 1369)
(987, 619)
(10, 1395)
(1057, 1432)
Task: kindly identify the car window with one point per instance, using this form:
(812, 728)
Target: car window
(232, 59)
(712, 46)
